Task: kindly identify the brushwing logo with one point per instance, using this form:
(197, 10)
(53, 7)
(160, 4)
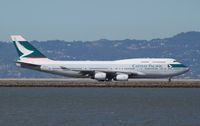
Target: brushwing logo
(23, 50)
(169, 66)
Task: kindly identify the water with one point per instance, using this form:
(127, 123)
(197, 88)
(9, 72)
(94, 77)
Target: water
(99, 106)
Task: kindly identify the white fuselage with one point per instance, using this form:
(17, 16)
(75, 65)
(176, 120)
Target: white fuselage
(120, 70)
(134, 68)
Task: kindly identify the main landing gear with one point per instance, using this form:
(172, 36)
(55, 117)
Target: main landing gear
(170, 79)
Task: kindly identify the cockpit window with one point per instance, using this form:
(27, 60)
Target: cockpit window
(174, 61)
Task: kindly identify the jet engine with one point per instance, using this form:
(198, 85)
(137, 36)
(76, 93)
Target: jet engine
(100, 76)
(121, 77)
(45, 68)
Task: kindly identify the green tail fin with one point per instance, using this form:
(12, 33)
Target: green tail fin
(25, 49)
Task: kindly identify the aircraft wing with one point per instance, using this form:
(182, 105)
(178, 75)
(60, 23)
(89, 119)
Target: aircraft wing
(108, 72)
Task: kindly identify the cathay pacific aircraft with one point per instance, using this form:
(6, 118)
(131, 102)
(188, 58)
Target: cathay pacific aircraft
(118, 70)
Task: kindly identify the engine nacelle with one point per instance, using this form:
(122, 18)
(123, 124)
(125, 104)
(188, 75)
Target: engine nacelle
(100, 76)
(121, 77)
(45, 68)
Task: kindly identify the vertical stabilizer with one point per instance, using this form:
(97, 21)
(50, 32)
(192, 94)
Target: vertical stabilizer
(25, 49)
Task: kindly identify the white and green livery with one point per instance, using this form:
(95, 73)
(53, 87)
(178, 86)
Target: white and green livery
(118, 70)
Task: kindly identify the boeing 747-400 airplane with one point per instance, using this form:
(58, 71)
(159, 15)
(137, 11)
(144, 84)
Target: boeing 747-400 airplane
(118, 70)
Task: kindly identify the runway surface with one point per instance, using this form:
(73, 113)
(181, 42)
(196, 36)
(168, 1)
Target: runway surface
(93, 83)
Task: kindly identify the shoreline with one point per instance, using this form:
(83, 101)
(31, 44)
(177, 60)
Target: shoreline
(51, 82)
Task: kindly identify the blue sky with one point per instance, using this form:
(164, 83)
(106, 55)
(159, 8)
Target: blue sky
(96, 19)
